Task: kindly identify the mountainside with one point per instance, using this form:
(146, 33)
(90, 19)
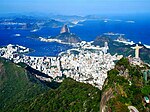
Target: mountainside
(21, 92)
(65, 29)
(71, 96)
(17, 85)
(66, 36)
(125, 86)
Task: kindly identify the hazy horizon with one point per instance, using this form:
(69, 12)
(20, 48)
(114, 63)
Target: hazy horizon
(75, 7)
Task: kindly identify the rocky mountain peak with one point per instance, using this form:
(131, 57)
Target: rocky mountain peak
(65, 29)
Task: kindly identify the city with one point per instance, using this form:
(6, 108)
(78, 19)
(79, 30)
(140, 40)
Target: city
(74, 56)
(86, 63)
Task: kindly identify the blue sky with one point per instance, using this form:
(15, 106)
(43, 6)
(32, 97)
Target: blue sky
(75, 7)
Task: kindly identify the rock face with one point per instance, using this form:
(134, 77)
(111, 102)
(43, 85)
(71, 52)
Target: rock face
(66, 36)
(65, 29)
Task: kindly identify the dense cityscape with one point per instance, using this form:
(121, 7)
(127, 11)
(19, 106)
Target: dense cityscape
(81, 64)
(74, 56)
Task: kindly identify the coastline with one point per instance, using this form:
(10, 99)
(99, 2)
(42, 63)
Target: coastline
(132, 43)
(58, 41)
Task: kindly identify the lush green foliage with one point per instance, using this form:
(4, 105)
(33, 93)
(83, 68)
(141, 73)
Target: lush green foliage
(146, 90)
(127, 90)
(16, 86)
(70, 96)
(123, 62)
(21, 92)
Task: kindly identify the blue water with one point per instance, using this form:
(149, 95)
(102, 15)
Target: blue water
(40, 48)
(138, 31)
(88, 30)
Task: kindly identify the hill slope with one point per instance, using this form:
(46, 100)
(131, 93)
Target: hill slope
(125, 87)
(68, 37)
(21, 92)
(16, 85)
(71, 96)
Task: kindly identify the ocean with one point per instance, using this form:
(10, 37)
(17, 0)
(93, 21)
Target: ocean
(137, 30)
(134, 30)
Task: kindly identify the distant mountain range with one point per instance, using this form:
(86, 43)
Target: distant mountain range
(31, 23)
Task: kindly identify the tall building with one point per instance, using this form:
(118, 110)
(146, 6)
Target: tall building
(137, 50)
(65, 29)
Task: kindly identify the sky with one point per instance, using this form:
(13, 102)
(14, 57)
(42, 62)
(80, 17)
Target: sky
(75, 7)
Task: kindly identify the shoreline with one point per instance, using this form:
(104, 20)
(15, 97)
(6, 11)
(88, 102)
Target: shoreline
(132, 43)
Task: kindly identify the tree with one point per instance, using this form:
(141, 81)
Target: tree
(146, 90)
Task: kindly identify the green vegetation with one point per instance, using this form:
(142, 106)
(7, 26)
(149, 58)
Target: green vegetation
(70, 96)
(128, 87)
(146, 90)
(123, 62)
(16, 85)
(22, 92)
